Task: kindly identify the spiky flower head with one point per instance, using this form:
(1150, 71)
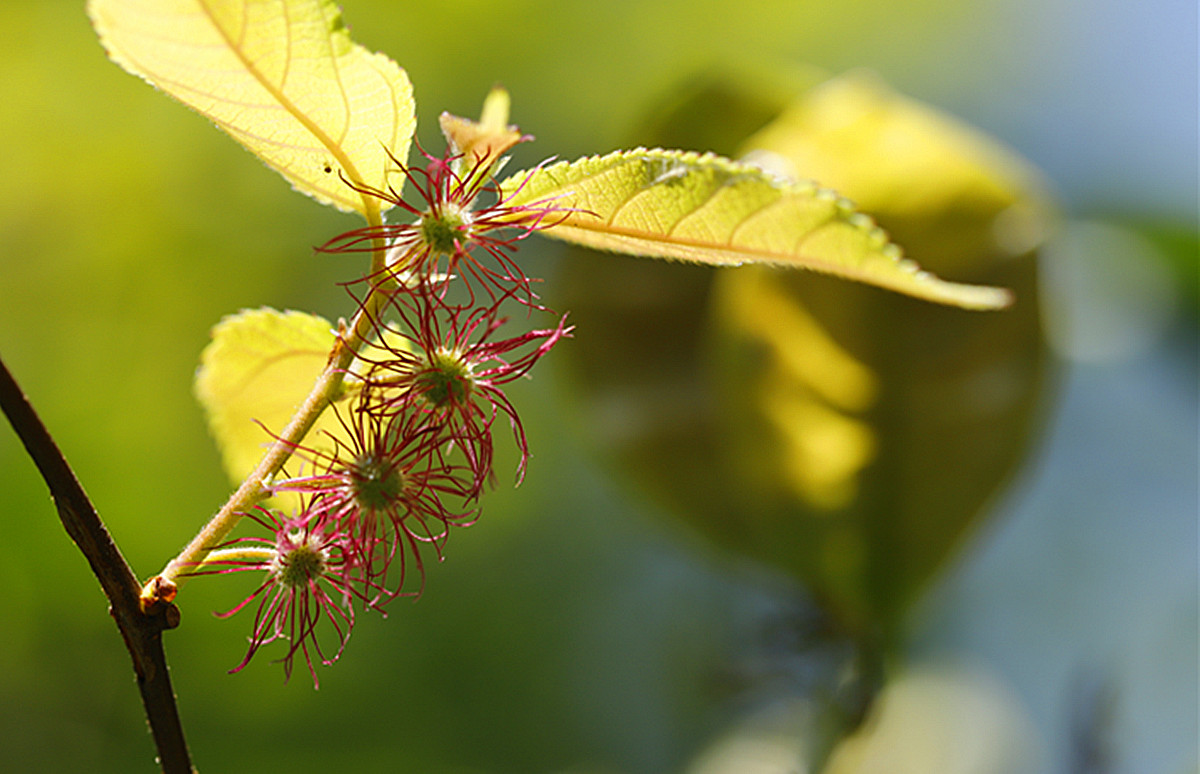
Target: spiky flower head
(451, 365)
(393, 486)
(312, 580)
(461, 224)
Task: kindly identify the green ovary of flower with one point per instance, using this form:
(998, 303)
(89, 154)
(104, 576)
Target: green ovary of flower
(446, 380)
(441, 230)
(376, 483)
(299, 565)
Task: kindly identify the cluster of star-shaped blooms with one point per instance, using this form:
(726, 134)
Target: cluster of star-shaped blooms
(414, 450)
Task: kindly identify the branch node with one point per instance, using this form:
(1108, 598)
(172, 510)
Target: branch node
(157, 595)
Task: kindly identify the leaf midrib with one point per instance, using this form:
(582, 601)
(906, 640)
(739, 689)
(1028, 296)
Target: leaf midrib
(370, 206)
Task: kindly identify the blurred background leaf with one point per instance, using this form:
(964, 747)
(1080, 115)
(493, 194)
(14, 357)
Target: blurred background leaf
(946, 718)
(569, 631)
(846, 435)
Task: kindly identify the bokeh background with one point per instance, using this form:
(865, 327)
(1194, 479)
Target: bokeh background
(575, 629)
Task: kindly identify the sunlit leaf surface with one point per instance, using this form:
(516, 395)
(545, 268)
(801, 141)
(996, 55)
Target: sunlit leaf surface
(257, 370)
(706, 209)
(282, 77)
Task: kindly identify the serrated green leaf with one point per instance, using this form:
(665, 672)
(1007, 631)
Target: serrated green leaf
(282, 77)
(258, 368)
(707, 209)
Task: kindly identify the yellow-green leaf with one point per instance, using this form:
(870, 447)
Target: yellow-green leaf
(259, 367)
(707, 209)
(282, 77)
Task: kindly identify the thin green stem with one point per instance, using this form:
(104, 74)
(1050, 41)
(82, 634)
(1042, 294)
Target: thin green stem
(237, 555)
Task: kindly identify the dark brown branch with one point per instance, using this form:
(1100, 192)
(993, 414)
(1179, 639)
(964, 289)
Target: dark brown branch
(142, 632)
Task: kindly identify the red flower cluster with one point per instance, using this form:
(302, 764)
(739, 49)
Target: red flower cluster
(416, 449)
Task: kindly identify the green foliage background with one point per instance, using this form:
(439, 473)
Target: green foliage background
(568, 631)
